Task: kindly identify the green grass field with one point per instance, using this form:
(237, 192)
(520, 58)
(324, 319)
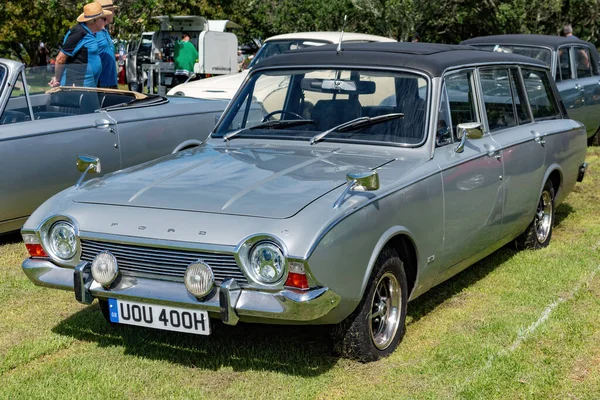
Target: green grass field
(517, 325)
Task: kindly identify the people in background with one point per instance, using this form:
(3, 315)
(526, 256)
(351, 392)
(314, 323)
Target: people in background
(568, 31)
(78, 62)
(108, 76)
(416, 37)
(185, 58)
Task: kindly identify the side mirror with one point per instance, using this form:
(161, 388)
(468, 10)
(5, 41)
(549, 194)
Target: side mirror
(363, 181)
(87, 164)
(359, 182)
(470, 130)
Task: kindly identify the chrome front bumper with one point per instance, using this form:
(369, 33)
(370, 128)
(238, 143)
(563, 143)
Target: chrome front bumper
(228, 302)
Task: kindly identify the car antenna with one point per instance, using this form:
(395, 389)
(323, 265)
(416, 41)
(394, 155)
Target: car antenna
(339, 48)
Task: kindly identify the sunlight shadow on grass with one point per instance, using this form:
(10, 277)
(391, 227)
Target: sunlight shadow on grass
(303, 351)
(10, 238)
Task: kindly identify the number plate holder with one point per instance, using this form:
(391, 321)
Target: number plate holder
(156, 316)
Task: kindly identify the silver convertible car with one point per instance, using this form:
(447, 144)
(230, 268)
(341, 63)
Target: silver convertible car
(364, 176)
(42, 132)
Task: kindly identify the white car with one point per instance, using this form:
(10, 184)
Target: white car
(225, 86)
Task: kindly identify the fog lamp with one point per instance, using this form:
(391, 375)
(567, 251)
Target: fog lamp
(105, 268)
(199, 279)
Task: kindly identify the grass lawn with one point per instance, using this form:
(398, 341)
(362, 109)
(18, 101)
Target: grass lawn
(517, 325)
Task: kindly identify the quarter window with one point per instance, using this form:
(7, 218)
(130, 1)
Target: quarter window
(17, 108)
(541, 97)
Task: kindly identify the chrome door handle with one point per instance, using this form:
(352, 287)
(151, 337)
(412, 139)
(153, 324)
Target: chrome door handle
(102, 123)
(495, 154)
(538, 137)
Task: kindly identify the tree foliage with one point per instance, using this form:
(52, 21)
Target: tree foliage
(26, 23)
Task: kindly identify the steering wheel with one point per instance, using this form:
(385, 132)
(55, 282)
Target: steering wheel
(269, 115)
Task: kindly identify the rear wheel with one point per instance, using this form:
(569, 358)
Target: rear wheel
(539, 232)
(377, 326)
(594, 140)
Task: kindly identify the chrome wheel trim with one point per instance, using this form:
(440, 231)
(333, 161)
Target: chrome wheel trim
(384, 317)
(543, 217)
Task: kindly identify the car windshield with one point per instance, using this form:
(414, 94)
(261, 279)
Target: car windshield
(274, 47)
(539, 53)
(391, 106)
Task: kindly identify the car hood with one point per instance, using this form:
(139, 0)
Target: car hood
(254, 180)
(218, 87)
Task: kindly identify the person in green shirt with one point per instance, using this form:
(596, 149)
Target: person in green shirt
(186, 56)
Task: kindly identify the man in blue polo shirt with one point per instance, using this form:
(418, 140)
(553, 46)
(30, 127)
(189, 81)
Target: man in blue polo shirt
(78, 62)
(108, 76)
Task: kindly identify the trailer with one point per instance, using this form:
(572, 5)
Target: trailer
(150, 60)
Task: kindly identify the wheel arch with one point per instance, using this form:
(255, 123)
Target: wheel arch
(402, 241)
(554, 174)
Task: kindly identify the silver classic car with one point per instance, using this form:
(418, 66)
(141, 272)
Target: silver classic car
(42, 131)
(574, 64)
(340, 183)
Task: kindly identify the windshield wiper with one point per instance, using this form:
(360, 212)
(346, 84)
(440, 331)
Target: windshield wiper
(270, 125)
(356, 124)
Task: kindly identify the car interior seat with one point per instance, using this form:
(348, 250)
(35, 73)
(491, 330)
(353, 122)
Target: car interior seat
(65, 102)
(329, 113)
(10, 117)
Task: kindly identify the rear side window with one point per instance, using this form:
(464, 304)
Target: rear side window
(519, 98)
(541, 97)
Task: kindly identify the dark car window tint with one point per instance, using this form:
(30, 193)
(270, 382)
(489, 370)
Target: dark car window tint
(17, 108)
(497, 96)
(444, 124)
(563, 66)
(519, 97)
(461, 98)
(2, 73)
(541, 97)
(583, 63)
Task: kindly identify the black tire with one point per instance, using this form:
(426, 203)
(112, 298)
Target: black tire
(539, 232)
(362, 336)
(594, 140)
(135, 87)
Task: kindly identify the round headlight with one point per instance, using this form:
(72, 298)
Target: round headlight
(62, 240)
(105, 268)
(267, 263)
(198, 279)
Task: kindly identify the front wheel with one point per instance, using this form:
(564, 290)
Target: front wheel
(377, 326)
(539, 232)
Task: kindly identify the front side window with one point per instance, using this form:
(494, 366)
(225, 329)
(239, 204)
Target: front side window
(497, 97)
(583, 64)
(299, 104)
(541, 97)
(17, 108)
(444, 134)
(461, 99)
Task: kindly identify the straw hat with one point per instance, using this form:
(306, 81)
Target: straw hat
(92, 11)
(107, 4)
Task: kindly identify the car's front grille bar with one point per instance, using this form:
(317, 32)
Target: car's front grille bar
(162, 262)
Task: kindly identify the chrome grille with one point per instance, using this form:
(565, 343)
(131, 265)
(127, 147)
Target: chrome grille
(163, 263)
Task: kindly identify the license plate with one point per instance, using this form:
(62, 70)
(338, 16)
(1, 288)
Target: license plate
(159, 317)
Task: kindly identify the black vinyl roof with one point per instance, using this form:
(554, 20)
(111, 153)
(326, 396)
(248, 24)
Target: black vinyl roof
(531, 40)
(430, 58)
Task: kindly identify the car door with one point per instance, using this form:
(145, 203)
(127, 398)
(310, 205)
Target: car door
(509, 121)
(588, 82)
(571, 92)
(38, 156)
(472, 176)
